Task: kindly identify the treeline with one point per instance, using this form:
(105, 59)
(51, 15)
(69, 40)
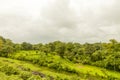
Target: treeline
(105, 55)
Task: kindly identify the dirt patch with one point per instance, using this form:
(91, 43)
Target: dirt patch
(39, 73)
(42, 75)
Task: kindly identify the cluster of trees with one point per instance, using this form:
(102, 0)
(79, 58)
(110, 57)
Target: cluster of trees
(106, 55)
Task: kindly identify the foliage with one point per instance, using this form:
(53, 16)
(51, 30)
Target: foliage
(61, 56)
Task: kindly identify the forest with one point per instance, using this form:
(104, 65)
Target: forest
(59, 60)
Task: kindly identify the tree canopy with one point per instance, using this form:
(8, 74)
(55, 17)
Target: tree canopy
(106, 55)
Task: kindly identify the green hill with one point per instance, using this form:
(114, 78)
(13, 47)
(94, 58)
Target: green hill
(59, 61)
(30, 64)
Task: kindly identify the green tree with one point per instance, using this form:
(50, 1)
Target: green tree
(26, 46)
(1, 44)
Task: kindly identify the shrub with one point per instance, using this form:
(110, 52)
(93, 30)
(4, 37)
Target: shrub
(25, 75)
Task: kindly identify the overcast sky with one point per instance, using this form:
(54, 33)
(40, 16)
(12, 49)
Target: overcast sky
(66, 20)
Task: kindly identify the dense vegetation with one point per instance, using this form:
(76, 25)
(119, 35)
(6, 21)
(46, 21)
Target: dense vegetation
(67, 58)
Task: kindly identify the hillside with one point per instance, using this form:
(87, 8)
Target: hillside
(53, 68)
(59, 61)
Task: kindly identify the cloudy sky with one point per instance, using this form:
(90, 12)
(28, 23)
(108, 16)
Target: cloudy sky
(66, 20)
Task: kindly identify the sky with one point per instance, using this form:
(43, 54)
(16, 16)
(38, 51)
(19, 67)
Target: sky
(37, 21)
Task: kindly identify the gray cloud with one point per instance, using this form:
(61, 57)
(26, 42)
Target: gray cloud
(62, 20)
(59, 14)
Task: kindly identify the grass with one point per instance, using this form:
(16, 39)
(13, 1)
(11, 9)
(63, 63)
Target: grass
(31, 67)
(97, 71)
(64, 69)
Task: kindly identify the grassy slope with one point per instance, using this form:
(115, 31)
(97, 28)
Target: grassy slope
(99, 71)
(29, 68)
(85, 69)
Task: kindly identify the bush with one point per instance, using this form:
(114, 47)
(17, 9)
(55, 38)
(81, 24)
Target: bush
(9, 70)
(25, 75)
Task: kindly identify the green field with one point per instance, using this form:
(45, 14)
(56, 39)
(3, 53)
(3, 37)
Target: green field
(25, 65)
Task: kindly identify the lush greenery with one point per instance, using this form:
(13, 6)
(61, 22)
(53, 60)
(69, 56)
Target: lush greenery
(19, 70)
(65, 59)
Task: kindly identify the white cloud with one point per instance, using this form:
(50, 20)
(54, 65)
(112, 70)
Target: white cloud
(66, 20)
